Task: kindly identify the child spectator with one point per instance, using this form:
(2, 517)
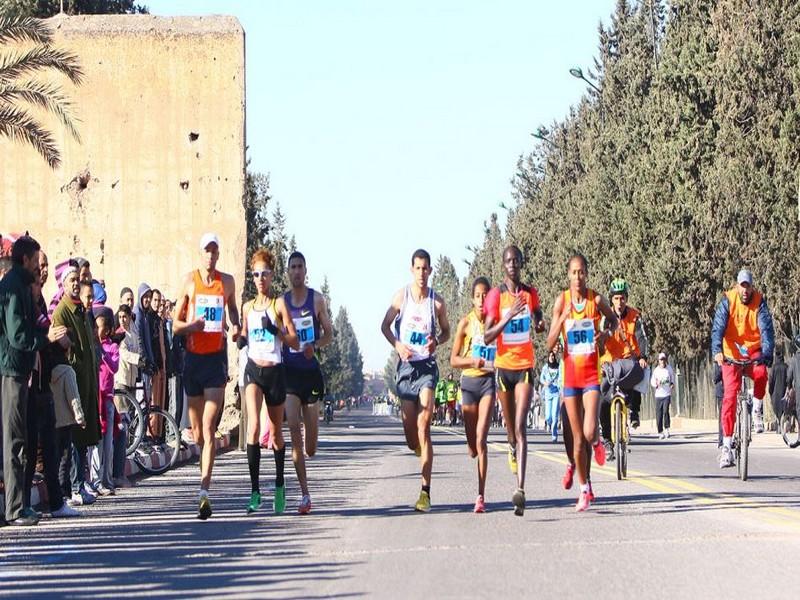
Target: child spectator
(102, 455)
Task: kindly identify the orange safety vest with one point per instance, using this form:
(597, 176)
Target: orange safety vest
(207, 301)
(616, 346)
(742, 332)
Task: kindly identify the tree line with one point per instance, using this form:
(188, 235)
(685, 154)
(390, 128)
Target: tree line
(341, 361)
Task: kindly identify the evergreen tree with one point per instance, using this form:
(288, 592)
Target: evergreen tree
(279, 245)
(349, 380)
(446, 284)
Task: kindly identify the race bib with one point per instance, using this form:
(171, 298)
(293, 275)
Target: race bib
(209, 308)
(518, 330)
(263, 337)
(415, 338)
(580, 336)
(305, 332)
(481, 350)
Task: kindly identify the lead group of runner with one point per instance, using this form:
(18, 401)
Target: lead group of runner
(494, 347)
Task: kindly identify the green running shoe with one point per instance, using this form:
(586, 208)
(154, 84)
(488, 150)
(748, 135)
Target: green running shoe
(255, 502)
(279, 502)
(204, 510)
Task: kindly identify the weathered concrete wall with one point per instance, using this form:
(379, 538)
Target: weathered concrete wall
(162, 114)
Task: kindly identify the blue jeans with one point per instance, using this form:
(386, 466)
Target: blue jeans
(551, 413)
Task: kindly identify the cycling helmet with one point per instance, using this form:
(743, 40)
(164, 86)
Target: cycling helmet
(619, 286)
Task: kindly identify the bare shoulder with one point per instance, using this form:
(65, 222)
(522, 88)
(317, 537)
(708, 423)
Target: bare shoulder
(397, 299)
(438, 300)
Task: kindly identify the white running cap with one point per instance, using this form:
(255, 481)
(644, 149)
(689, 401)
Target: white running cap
(208, 238)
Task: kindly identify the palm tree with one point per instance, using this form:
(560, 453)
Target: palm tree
(19, 90)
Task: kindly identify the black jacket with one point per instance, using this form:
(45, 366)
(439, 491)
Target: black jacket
(20, 339)
(778, 380)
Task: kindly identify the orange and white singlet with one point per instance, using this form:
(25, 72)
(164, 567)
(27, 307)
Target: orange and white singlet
(515, 342)
(579, 332)
(208, 302)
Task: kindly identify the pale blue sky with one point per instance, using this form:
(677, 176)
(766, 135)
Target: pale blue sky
(388, 126)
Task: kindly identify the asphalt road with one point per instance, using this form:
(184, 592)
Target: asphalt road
(679, 527)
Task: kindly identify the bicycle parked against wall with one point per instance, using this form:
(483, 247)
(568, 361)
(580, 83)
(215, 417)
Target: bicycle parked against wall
(150, 430)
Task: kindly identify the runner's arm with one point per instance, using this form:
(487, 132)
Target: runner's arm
(286, 331)
(456, 360)
(441, 317)
(321, 307)
(181, 324)
(494, 323)
(233, 311)
(612, 322)
(243, 341)
(556, 323)
(386, 326)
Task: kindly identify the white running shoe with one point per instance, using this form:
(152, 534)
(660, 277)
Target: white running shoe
(725, 458)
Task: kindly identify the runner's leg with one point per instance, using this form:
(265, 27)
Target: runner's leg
(311, 423)
(253, 400)
(522, 397)
(509, 414)
(485, 410)
(470, 425)
(575, 417)
(591, 401)
(410, 413)
(212, 405)
(424, 419)
(294, 420)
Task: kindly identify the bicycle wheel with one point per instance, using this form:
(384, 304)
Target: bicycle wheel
(619, 443)
(131, 412)
(790, 430)
(165, 439)
(744, 442)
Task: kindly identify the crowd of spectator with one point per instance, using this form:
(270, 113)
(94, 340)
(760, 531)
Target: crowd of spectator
(60, 365)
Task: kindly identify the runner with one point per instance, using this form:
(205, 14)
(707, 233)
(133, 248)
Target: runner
(304, 383)
(742, 331)
(269, 328)
(471, 354)
(207, 296)
(576, 318)
(627, 343)
(509, 310)
(410, 327)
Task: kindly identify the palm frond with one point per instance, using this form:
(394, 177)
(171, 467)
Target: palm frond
(18, 125)
(15, 64)
(45, 95)
(26, 29)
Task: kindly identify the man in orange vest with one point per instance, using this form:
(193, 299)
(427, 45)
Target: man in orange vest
(742, 333)
(629, 341)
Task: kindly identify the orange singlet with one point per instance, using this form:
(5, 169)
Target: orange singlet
(207, 301)
(515, 342)
(581, 365)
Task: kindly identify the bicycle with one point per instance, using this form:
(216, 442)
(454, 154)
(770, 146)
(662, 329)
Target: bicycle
(328, 411)
(620, 432)
(148, 427)
(742, 429)
(790, 427)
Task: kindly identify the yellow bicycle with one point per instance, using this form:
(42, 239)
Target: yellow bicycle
(620, 434)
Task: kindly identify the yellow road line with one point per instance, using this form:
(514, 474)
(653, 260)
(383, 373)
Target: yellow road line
(777, 515)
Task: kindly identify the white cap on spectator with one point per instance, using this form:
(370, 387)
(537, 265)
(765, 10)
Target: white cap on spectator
(208, 238)
(662, 356)
(745, 276)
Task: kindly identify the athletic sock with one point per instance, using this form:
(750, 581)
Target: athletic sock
(726, 442)
(254, 464)
(280, 459)
(426, 489)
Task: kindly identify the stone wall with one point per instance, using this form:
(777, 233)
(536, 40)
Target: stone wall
(162, 152)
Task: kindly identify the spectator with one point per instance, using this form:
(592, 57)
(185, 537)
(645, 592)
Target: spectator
(41, 410)
(125, 379)
(144, 338)
(5, 266)
(777, 385)
(550, 379)
(72, 313)
(793, 374)
(19, 342)
(102, 455)
(663, 380)
(84, 272)
(126, 297)
(159, 381)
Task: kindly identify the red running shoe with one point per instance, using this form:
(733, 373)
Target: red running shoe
(480, 506)
(590, 493)
(566, 480)
(599, 453)
(583, 502)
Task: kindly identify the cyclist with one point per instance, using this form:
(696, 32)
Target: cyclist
(742, 331)
(475, 357)
(576, 319)
(628, 342)
(510, 310)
